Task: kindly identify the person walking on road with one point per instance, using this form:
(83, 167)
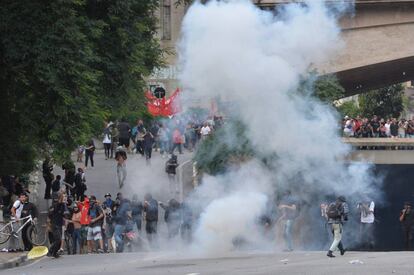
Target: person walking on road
(151, 217)
(89, 152)
(122, 214)
(337, 214)
(171, 170)
(121, 157)
(289, 213)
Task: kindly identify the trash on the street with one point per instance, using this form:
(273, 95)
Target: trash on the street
(356, 262)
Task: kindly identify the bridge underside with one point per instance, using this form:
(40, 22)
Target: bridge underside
(362, 79)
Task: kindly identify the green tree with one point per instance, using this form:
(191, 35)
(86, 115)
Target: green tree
(328, 89)
(349, 108)
(66, 65)
(384, 102)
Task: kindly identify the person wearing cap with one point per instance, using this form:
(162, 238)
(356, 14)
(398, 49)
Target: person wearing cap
(76, 235)
(336, 223)
(407, 223)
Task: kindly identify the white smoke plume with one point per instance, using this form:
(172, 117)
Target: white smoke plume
(255, 59)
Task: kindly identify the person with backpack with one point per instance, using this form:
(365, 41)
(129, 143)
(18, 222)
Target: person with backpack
(172, 217)
(121, 217)
(337, 215)
(289, 210)
(171, 170)
(137, 209)
(151, 217)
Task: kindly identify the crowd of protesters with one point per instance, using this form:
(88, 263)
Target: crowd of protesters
(377, 127)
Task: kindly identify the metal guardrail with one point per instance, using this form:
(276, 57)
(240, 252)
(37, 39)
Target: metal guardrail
(379, 142)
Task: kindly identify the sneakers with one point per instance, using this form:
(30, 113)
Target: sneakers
(343, 252)
(330, 254)
(100, 251)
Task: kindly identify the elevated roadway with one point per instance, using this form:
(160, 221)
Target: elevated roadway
(378, 37)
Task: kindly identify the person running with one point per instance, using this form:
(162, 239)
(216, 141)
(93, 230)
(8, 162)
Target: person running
(121, 157)
(124, 133)
(337, 214)
(170, 168)
(89, 152)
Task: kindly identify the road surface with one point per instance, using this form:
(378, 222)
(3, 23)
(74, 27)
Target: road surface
(234, 263)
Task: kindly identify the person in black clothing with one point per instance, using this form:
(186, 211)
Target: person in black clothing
(89, 151)
(148, 143)
(56, 184)
(47, 169)
(407, 222)
(394, 128)
(124, 133)
(69, 179)
(170, 168)
(28, 209)
(80, 185)
(187, 222)
(151, 216)
(136, 209)
(56, 215)
(172, 217)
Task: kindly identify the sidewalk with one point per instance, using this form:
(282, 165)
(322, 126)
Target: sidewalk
(9, 260)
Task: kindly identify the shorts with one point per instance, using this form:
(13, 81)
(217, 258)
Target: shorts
(94, 233)
(124, 141)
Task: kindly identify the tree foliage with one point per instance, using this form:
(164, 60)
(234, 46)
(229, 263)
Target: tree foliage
(384, 102)
(67, 65)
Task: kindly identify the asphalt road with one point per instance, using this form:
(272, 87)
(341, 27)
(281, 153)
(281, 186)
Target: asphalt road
(234, 263)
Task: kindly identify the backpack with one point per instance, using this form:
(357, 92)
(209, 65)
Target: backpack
(152, 211)
(333, 211)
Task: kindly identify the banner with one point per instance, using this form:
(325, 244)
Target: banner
(164, 107)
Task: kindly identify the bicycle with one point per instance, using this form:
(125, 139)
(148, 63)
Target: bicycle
(7, 229)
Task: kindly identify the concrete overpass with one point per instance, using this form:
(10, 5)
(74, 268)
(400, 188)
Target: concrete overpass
(379, 38)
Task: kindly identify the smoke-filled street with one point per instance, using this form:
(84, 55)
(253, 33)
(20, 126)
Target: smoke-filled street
(312, 263)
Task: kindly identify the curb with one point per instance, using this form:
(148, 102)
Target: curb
(14, 262)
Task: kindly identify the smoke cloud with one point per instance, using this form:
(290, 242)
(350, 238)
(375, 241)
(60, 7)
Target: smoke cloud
(255, 59)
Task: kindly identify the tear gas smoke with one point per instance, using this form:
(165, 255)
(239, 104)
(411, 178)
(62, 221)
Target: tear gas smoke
(255, 60)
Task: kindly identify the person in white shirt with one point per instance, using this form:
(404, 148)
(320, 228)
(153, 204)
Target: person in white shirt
(367, 238)
(205, 130)
(16, 212)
